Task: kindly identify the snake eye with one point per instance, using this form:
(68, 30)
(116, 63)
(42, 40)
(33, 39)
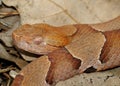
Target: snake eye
(38, 40)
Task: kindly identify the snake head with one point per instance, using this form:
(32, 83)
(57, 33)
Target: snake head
(42, 38)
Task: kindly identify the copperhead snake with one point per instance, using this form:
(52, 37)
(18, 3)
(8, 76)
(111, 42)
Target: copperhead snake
(69, 49)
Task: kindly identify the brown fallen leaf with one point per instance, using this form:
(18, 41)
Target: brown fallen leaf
(104, 78)
(62, 12)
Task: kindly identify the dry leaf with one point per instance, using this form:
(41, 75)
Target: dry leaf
(5, 55)
(61, 12)
(106, 78)
(10, 24)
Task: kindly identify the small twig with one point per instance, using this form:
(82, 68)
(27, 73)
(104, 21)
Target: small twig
(6, 69)
(9, 78)
(2, 15)
(10, 13)
(9, 81)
